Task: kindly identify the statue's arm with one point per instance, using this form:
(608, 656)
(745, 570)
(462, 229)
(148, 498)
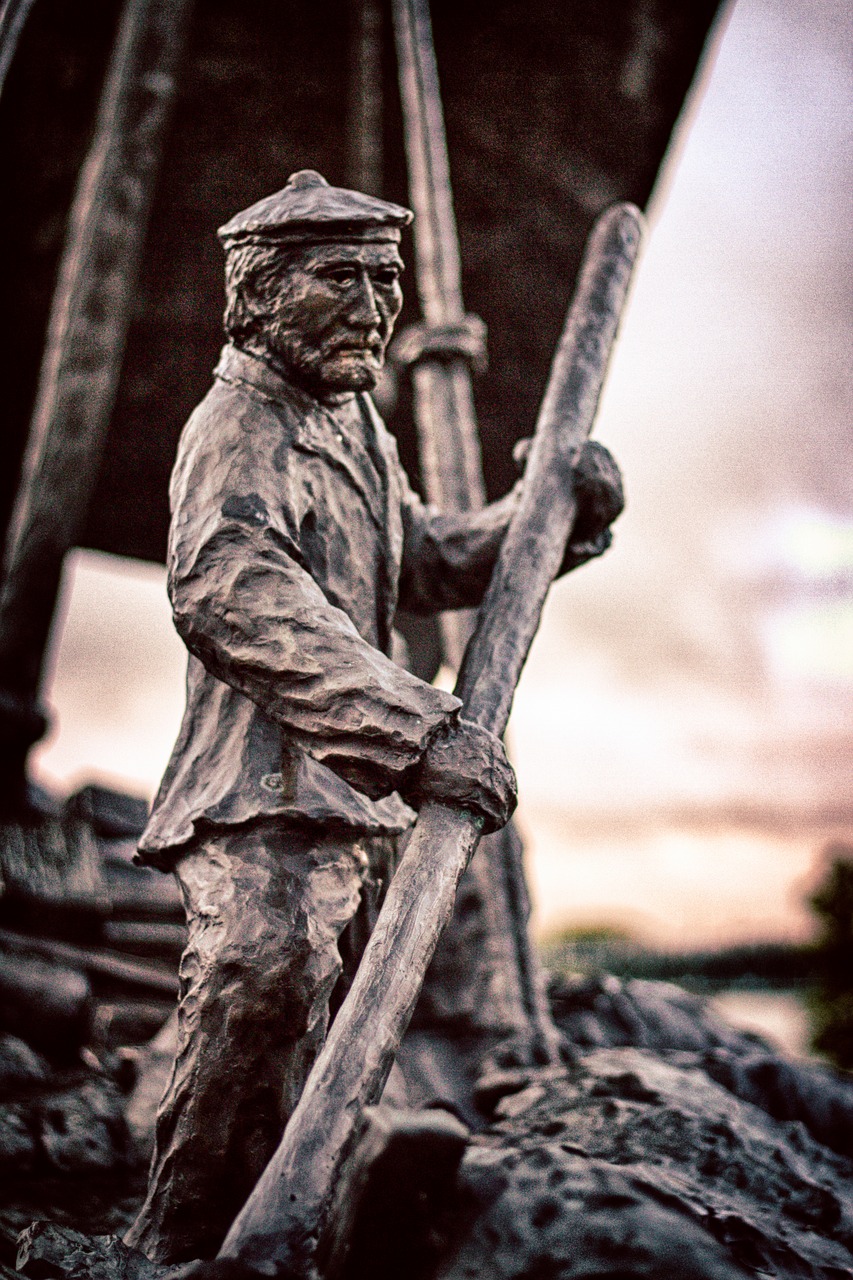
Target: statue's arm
(448, 559)
(251, 613)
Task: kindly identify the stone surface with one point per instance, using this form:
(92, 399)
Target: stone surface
(45, 1004)
(55, 1125)
(606, 1012)
(46, 1251)
(634, 1160)
(632, 1165)
(19, 1064)
(598, 1012)
(17, 1142)
(83, 1129)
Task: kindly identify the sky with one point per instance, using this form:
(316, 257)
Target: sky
(683, 731)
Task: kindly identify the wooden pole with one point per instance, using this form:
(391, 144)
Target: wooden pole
(448, 440)
(452, 474)
(13, 17)
(364, 97)
(90, 315)
(282, 1222)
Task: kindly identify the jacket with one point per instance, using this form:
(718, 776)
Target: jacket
(295, 536)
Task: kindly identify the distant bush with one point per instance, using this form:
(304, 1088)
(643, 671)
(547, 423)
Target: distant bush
(832, 1003)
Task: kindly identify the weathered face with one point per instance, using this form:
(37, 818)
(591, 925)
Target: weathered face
(334, 315)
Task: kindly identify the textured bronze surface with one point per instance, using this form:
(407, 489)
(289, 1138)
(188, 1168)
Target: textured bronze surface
(285, 1216)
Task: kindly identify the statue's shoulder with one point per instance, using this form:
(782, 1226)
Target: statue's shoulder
(245, 400)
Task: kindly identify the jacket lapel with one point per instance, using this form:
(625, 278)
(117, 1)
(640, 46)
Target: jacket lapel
(384, 458)
(314, 429)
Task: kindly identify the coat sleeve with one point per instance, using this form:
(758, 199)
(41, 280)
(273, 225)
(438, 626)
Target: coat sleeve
(448, 558)
(246, 606)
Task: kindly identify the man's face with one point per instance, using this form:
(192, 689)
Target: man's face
(334, 315)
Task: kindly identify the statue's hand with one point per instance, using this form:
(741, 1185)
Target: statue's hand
(600, 498)
(599, 494)
(466, 766)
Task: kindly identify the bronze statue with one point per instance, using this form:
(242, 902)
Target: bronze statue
(295, 536)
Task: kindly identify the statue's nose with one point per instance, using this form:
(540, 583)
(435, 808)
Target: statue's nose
(365, 311)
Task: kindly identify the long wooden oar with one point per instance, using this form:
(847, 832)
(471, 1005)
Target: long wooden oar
(280, 1226)
(89, 320)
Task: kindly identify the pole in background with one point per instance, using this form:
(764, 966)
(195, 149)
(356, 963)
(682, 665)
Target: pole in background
(441, 352)
(89, 320)
(365, 158)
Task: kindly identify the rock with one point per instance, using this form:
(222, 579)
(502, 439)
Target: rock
(600, 1012)
(562, 1217)
(632, 1165)
(46, 1252)
(83, 1130)
(51, 865)
(694, 1152)
(109, 813)
(20, 1065)
(49, 1252)
(76, 1129)
(47, 1005)
(606, 1012)
(18, 1146)
(818, 1097)
(22, 1070)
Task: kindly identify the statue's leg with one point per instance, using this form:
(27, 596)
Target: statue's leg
(266, 905)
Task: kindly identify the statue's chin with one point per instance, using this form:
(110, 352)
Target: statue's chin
(347, 374)
(334, 374)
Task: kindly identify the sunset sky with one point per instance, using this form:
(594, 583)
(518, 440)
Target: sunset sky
(684, 730)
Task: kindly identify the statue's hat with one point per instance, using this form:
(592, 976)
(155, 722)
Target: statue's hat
(308, 210)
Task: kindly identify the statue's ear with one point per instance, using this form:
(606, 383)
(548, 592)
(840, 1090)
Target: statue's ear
(258, 291)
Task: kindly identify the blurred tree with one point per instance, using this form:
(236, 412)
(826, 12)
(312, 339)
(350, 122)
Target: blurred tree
(833, 999)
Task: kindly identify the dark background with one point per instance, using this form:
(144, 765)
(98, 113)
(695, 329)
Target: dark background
(553, 111)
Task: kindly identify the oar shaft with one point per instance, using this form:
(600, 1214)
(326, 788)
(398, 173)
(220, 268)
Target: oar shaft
(532, 551)
(451, 468)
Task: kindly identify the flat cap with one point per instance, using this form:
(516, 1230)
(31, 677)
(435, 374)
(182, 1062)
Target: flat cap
(308, 210)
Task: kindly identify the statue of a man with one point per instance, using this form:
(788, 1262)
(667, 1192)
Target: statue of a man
(294, 538)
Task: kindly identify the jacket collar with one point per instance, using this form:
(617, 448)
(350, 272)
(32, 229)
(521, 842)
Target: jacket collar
(314, 425)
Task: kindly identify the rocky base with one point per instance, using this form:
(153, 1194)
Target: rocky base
(668, 1145)
(631, 1165)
